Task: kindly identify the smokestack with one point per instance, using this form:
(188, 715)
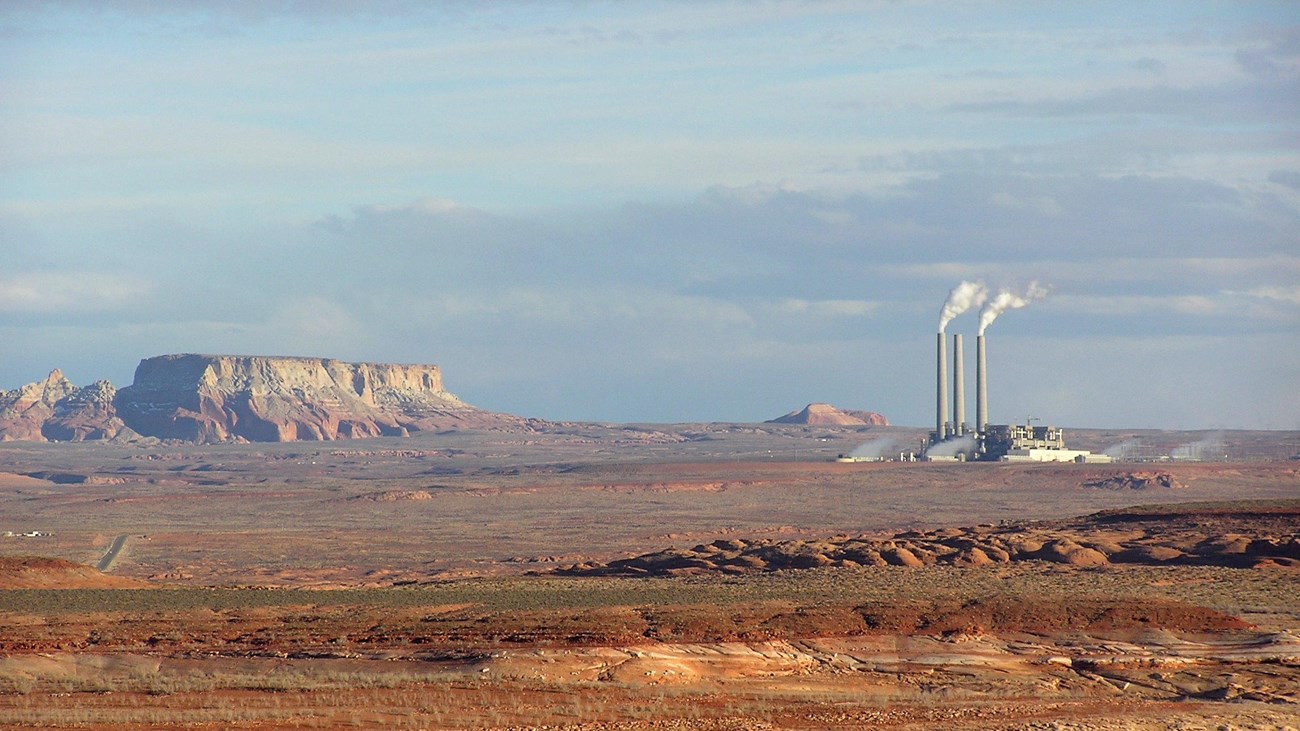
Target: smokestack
(940, 426)
(981, 387)
(958, 388)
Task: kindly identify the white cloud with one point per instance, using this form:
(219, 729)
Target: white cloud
(70, 292)
(1118, 275)
(596, 308)
(642, 188)
(1044, 205)
(827, 308)
(1219, 304)
(1288, 295)
(315, 319)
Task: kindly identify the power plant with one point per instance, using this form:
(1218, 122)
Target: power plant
(953, 439)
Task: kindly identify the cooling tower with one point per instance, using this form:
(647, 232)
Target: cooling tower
(958, 388)
(981, 387)
(940, 426)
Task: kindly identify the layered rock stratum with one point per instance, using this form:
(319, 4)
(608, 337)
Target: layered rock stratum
(216, 398)
(212, 398)
(56, 410)
(827, 415)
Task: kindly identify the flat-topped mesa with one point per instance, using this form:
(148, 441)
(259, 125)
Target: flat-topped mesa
(212, 398)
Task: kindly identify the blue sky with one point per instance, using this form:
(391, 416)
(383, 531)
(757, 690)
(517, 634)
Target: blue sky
(664, 211)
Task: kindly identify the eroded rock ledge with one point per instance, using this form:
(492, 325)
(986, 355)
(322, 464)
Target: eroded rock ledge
(216, 398)
(1249, 538)
(207, 398)
(56, 410)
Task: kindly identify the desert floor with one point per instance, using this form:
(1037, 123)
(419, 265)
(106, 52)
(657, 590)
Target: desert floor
(645, 577)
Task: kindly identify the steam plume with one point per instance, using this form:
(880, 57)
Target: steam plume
(1007, 300)
(952, 447)
(963, 297)
(1209, 448)
(1125, 450)
(875, 449)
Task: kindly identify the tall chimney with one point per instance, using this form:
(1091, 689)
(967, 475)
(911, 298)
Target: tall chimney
(958, 388)
(981, 387)
(940, 425)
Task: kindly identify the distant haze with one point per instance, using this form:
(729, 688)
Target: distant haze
(667, 211)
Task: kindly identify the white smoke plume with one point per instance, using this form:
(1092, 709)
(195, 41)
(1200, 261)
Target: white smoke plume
(1125, 450)
(1005, 300)
(875, 449)
(964, 296)
(1209, 448)
(952, 447)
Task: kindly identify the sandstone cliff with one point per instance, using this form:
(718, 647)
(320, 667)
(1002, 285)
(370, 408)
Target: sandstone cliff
(88, 413)
(827, 415)
(56, 410)
(208, 398)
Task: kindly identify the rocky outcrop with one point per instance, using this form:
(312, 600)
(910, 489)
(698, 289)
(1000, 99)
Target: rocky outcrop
(1136, 481)
(213, 398)
(1234, 537)
(56, 410)
(827, 415)
(86, 414)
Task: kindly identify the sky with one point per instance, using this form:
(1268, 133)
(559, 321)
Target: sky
(667, 211)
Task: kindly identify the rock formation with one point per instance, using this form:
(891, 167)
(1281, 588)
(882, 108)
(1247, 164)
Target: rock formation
(215, 398)
(88, 413)
(1249, 537)
(1136, 481)
(827, 415)
(56, 410)
(212, 398)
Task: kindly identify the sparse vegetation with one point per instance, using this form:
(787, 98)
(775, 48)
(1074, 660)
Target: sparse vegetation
(420, 613)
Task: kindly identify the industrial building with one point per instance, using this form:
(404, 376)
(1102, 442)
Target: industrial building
(955, 440)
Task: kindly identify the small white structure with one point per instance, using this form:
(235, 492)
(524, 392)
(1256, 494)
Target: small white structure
(1054, 455)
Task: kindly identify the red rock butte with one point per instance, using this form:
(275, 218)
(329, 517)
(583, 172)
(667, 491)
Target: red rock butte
(827, 415)
(217, 398)
(56, 410)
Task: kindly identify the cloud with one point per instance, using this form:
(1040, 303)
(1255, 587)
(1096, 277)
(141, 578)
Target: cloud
(482, 103)
(1208, 312)
(1137, 382)
(649, 210)
(1234, 158)
(1289, 295)
(1138, 305)
(612, 312)
(827, 308)
(818, 254)
(1153, 276)
(70, 292)
(317, 320)
(1276, 102)
(1148, 64)
(1289, 178)
(1043, 205)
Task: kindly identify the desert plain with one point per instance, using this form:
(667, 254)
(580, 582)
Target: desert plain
(702, 576)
